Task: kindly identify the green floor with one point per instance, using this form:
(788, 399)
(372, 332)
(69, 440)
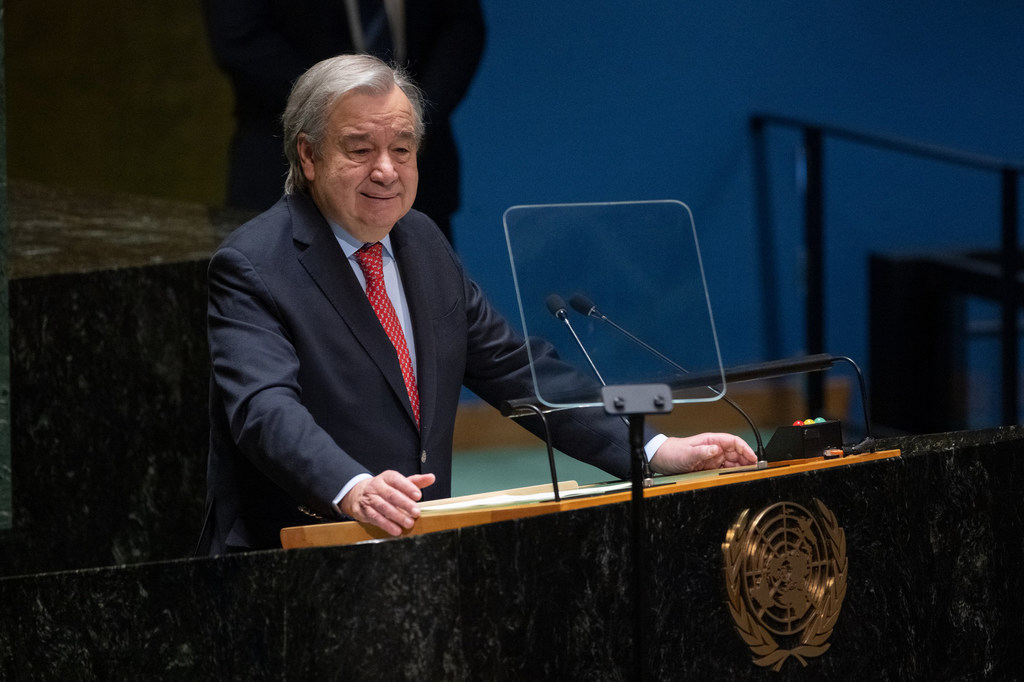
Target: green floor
(477, 471)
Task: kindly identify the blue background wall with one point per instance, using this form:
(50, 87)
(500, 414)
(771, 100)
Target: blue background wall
(617, 101)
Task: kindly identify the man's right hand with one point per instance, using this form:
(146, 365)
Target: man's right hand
(387, 500)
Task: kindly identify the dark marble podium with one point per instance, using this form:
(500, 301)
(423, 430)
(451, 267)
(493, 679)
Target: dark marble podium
(109, 377)
(934, 540)
(108, 428)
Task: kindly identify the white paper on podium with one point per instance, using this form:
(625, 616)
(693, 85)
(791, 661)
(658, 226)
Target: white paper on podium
(527, 496)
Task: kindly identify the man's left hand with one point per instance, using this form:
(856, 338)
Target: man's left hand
(701, 452)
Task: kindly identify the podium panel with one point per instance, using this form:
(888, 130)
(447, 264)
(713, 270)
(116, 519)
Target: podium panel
(924, 549)
(539, 500)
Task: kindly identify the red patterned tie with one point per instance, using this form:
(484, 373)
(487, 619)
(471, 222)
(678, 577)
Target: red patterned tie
(369, 260)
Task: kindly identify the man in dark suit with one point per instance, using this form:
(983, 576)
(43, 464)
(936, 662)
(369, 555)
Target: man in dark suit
(333, 394)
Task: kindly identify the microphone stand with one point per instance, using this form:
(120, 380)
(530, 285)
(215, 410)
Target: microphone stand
(522, 409)
(633, 403)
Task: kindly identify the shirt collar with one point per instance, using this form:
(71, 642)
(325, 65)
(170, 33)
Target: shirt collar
(350, 244)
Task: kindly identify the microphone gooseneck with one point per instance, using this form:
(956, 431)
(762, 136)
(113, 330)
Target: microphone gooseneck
(556, 306)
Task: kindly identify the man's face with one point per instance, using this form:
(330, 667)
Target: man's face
(366, 177)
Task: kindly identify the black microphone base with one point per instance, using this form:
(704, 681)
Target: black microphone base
(803, 441)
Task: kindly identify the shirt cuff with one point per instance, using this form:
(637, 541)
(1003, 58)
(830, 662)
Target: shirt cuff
(348, 486)
(653, 445)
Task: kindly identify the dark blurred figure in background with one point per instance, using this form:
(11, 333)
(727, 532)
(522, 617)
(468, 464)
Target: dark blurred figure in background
(264, 45)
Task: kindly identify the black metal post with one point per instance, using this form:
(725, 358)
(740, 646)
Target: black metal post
(766, 240)
(633, 402)
(1010, 261)
(814, 239)
(639, 546)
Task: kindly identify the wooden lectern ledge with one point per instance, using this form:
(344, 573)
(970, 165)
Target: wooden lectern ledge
(518, 503)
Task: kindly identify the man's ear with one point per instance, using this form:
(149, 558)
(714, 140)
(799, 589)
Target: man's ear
(307, 156)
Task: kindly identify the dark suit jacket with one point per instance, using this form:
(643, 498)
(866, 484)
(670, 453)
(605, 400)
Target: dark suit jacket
(307, 391)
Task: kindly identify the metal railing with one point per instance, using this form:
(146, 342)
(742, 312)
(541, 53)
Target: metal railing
(814, 136)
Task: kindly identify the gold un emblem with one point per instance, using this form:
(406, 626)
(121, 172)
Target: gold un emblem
(785, 575)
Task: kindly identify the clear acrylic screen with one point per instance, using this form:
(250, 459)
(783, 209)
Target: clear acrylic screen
(638, 264)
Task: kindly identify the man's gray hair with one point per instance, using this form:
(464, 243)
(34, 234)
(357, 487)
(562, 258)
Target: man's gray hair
(316, 92)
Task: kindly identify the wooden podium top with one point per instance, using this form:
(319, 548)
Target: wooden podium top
(505, 505)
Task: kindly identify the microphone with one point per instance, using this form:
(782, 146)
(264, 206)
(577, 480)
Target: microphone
(556, 306)
(585, 306)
